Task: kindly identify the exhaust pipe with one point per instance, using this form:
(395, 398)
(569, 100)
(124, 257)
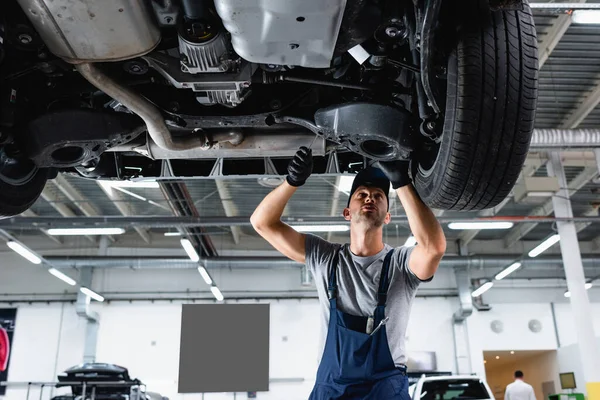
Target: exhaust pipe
(155, 123)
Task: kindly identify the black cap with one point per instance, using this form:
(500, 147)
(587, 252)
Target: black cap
(371, 177)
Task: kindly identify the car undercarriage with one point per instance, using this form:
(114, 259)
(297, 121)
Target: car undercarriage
(141, 89)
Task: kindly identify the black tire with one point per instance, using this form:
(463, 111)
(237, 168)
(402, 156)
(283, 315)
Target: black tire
(490, 108)
(18, 197)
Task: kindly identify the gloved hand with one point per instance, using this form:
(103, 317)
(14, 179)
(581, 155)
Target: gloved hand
(396, 172)
(300, 167)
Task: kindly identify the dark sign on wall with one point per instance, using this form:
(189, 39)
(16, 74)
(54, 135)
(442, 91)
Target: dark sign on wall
(7, 329)
(224, 348)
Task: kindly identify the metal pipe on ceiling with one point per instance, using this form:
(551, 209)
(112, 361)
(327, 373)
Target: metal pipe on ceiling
(35, 223)
(565, 139)
(488, 261)
(564, 6)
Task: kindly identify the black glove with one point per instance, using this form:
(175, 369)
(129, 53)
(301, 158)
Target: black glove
(396, 172)
(300, 167)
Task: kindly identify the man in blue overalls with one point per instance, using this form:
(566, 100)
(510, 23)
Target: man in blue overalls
(366, 287)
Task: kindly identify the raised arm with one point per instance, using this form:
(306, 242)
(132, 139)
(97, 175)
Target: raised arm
(266, 219)
(425, 258)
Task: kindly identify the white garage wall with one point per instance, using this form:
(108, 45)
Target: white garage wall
(515, 334)
(144, 337)
(566, 324)
(430, 329)
(48, 339)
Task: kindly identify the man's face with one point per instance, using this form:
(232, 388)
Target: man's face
(368, 207)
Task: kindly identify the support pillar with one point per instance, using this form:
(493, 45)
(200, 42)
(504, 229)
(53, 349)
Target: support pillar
(580, 303)
(92, 318)
(459, 322)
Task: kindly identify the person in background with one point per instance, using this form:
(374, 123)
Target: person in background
(519, 390)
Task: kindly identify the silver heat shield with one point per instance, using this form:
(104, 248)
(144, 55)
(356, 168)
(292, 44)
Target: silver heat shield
(283, 32)
(94, 31)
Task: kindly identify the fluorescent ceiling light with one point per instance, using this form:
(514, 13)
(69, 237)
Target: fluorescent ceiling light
(508, 270)
(134, 184)
(91, 293)
(545, 245)
(205, 275)
(172, 234)
(217, 293)
(190, 250)
(321, 228)
(129, 193)
(62, 276)
(24, 252)
(480, 225)
(482, 289)
(586, 17)
(85, 231)
(411, 241)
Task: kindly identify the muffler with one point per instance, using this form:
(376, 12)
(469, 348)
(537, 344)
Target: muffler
(85, 32)
(94, 31)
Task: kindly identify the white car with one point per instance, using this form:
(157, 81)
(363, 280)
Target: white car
(451, 387)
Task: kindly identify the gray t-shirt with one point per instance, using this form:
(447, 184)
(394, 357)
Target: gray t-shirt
(358, 281)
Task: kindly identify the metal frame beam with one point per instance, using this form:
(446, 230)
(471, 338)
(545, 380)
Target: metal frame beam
(577, 116)
(229, 207)
(467, 236)
(515, 234)
(86, 206)
(124, 207)
(34, 223)
(59, 206)
(182, 205)
(335, 200)
(29, 213)
(555, 33)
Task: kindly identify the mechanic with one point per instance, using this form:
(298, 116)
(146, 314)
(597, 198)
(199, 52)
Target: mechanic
(366, 287)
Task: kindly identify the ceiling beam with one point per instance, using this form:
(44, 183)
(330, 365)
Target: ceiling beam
(34, 223)
(123, 206)
(64, 210)
(576, 117)
(182, 205)
(335, 201)
(86, 206)
(467, 236)
(555, 33)
(515, 234)
(56, 239)
(229, 207)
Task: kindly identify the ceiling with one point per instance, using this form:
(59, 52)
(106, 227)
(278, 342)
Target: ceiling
(569, 83)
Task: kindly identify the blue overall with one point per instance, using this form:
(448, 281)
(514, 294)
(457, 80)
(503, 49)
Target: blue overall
(356, 364)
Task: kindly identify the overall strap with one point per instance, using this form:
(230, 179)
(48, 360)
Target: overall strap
(332, 281)
(384, 279)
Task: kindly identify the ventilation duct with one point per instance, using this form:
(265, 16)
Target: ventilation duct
(553, 139)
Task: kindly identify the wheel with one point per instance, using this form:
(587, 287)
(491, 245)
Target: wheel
(491, 97)
(21, 183)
